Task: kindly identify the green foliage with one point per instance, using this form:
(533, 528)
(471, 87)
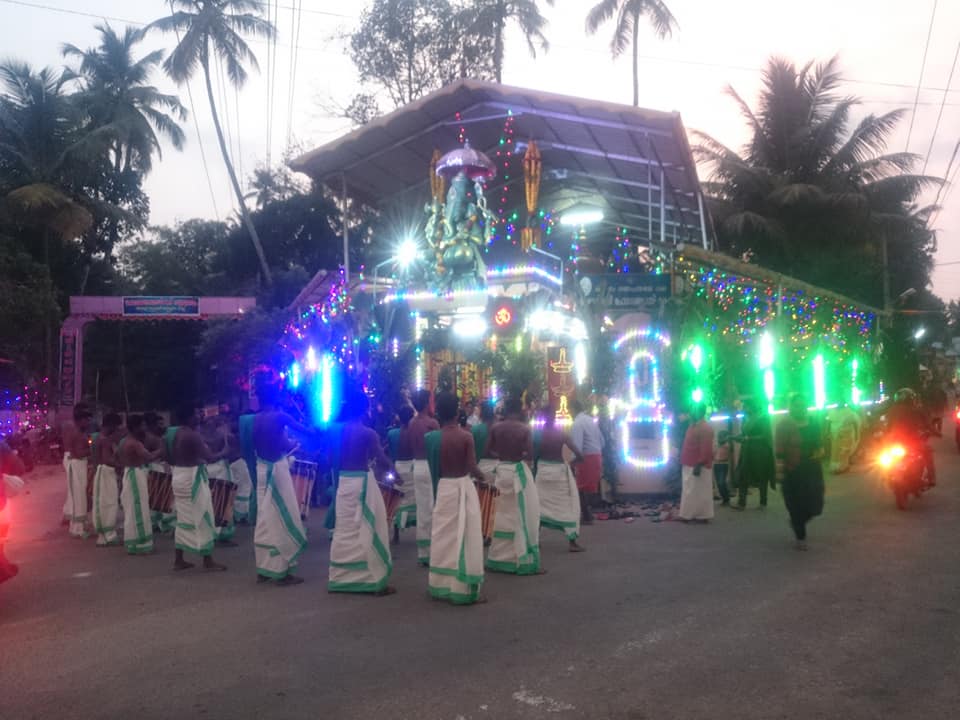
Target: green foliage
(408, 48)
(387, 375)
(627, 27)
(26, 305)
(490, 18)
(810, 186)
(517, 373)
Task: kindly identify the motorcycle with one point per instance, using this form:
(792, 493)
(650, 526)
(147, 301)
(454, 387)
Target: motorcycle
(904, 470)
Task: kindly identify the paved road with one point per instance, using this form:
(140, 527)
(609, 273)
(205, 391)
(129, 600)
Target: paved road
(656, 621)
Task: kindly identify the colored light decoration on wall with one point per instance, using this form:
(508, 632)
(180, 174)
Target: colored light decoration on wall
(620, 257)
(580, 362)
(854, 389)
(395, 347)
(645, 405)
(694, 356)
(294, 376)
(819, 383)
(766, 359)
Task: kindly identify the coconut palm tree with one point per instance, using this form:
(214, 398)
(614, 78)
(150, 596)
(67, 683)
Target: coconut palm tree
(489, 18)
(807, 188)
(627, 31)
(116, 93)
(212, 31)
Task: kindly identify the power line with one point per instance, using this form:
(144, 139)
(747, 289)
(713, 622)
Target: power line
(936, 128)
(923, 65)
(294, 60)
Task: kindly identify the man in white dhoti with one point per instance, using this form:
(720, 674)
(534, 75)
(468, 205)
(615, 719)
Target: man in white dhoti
(516, 528)
(696, 460)
(134, 496)
(76, 446)
(279, 538)
(360, 559)
(189, 455)
(106, 495)
(422, 483)
(556, 485)
(456, 543)
(401, 452)
(239, 473)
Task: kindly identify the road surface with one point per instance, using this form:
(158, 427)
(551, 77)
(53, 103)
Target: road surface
(655, 621)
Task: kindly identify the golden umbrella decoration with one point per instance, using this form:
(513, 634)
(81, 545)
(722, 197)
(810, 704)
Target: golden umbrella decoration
(532, 171)
(437, 182)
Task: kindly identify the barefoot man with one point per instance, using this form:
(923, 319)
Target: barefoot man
(516, 529)
(279, 537)
(189, 455)
(360, 559)
(76, 447)
(422, 483)
(106, 497)
(559, 498)
(135, 459)
(162, 522)
(239, 473)
(456, 543)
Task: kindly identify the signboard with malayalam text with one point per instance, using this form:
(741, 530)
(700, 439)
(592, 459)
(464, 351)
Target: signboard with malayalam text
(626, 291)
(150, 306)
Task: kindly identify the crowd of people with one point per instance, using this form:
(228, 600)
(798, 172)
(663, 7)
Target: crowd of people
(761, 460)
(435, 458)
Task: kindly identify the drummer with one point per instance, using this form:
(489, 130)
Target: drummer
(516, 532)
(279, 537)
(456, 543)
(556, 486)
(422, 483)
(135, 494)
(162, 522)
(189, 456)
(481, 434)
(360, 559)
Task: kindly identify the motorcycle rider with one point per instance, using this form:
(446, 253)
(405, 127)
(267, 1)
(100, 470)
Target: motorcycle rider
(907, 423)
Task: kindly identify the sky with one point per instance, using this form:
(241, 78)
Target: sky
(880, 44)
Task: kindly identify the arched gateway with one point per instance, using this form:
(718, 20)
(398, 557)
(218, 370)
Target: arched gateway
(85, 309)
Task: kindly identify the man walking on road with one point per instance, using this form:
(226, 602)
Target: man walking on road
(587, 443)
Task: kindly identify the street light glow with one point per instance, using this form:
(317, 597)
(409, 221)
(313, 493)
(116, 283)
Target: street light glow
(919, 333)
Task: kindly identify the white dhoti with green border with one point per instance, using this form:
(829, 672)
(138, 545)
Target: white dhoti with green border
(241, 476)
(488, 466)
(515, 547)
(106, 505)
(137, 530)
(279, 537)
(222, 470)
(456, 547)
(76, 495)
(423, 491)
(360, 553)
(559, 498)
(194, 531)
(406, 514)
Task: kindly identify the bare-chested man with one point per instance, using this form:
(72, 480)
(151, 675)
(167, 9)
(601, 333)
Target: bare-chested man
(76, 449)
(360, 559)
(135, 495)
(423, 487)
(402, 455)
(188, 453)
(456, 544)
(556, 485)
(106, 496)
(163, 522)
(516, 534)
(279, 538)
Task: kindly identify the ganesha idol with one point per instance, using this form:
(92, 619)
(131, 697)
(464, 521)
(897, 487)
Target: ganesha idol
(460, 228)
